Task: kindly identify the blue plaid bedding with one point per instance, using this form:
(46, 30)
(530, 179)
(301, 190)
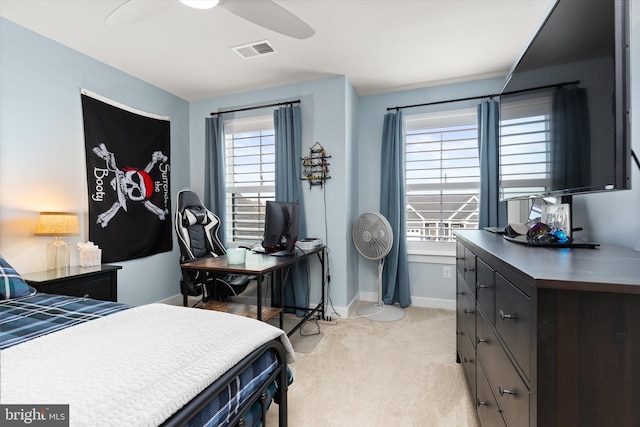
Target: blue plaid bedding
(26, 318)
(220, 410)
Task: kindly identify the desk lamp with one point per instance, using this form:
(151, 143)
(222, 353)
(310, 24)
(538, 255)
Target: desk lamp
(57, 224)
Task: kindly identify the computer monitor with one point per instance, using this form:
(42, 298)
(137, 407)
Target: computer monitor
(281, 227)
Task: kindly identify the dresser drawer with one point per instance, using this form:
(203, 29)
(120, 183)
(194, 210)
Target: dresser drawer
(486, 404)
(460, 258)
(469, 268)
(466, 309)
(508, 387)
(485, 289)
(97, 288)
(467, 355)
(513, 320)
(97, 282)
(466, 265)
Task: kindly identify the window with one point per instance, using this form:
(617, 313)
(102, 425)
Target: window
(442, 174)
(250, 176)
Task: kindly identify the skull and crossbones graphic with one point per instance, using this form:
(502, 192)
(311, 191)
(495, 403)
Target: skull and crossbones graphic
(130, 184)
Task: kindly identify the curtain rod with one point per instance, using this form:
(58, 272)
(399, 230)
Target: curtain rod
(277, 104)
(484, 96)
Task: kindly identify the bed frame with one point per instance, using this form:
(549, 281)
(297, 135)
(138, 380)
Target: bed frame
(200, 401)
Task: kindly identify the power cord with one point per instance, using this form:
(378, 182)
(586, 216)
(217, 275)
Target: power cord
(311, 334)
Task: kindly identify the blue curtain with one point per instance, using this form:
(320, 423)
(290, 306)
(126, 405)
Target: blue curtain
(492, 212)
(570, 139)
(214, 182)
(288, 145)
(395, 277)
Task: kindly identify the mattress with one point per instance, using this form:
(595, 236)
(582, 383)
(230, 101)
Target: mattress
(33, 324)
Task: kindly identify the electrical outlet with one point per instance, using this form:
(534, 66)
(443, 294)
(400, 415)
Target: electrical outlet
(446, 272)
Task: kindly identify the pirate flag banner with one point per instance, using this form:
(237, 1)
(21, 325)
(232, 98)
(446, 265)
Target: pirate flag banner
(127, 155)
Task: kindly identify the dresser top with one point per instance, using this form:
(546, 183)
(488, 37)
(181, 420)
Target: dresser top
(605, 269)
(64, 273)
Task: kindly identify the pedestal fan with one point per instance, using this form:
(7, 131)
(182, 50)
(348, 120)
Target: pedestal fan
(373, 238)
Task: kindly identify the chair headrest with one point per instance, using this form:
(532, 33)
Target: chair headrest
(194, 215)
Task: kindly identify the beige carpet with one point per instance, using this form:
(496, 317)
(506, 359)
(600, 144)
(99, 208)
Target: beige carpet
(367, 373)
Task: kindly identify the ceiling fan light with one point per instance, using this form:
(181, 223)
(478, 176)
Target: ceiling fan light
(200, 4)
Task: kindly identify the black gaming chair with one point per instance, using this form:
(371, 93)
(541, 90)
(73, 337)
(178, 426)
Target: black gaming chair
(197, 230)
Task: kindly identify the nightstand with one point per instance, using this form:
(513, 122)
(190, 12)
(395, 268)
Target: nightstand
(97, 282)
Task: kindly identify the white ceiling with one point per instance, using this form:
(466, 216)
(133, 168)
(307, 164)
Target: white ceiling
(380, 45)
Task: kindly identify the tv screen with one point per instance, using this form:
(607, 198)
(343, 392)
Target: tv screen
(281, 226)
(563, 110)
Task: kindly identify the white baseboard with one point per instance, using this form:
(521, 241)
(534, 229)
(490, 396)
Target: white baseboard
(177, 300)
(343, 311)
(415, 301)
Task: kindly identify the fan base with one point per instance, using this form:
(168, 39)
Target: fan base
(384, 313)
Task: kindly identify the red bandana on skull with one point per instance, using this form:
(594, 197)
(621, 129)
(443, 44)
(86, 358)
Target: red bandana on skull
(139, 185)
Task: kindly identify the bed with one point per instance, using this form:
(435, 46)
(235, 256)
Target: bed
(149, 365)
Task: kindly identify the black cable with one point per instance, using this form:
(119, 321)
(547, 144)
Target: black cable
(327, 253)
(312, 334)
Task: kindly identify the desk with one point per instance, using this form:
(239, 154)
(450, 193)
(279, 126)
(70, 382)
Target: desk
(259, 265)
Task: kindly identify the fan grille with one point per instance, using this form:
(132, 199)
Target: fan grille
(372, 235)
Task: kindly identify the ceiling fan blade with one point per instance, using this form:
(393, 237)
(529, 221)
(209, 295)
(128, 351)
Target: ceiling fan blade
(132, 11)
(269, 15)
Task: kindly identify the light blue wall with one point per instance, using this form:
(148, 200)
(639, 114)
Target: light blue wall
(352, 190)
(42, 163)
(428, 286)
(42, 160)
(325, 119)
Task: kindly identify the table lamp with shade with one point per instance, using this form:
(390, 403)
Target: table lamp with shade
(57, 224)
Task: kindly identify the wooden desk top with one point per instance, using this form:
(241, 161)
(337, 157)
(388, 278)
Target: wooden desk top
(254, 263)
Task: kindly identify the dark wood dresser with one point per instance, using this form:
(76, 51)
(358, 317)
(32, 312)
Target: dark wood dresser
(98, 282)
(549, 336)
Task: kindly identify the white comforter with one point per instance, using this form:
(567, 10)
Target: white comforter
(136, 367)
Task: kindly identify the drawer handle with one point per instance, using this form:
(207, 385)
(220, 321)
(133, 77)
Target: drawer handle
(481, 286)
(460, 293)
(468, 360)
(504, 316)
(459, 333)
(469, 269)
(504, 391)
(469, 311)
(481, 340)
(481, 403)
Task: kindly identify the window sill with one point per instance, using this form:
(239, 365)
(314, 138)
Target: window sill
(443, 256)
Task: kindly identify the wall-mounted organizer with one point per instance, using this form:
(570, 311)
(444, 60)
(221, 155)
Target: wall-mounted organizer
(315, 168)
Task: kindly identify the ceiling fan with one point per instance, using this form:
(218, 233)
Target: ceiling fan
(264, 13)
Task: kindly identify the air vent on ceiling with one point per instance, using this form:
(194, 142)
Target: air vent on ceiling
(254, 49)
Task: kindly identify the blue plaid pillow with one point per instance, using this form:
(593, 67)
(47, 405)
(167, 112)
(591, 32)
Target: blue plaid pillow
(11, 284)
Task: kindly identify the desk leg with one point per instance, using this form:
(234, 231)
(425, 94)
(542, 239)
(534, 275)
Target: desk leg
(259, 291)
(183, 288)
(281, 296)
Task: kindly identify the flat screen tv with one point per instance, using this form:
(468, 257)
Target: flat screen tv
(564, 124)
(281, 227)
